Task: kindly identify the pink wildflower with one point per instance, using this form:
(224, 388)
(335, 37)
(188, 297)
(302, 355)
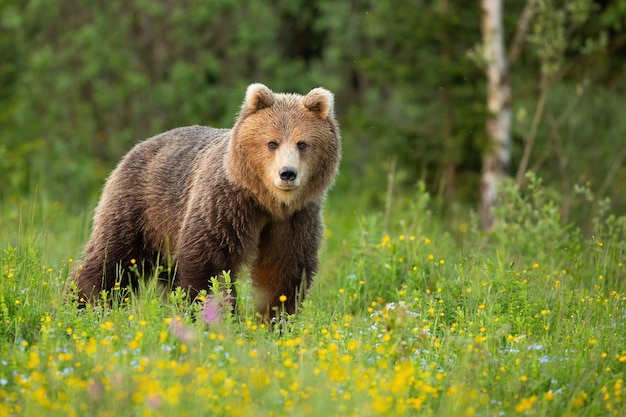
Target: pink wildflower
(211, 311)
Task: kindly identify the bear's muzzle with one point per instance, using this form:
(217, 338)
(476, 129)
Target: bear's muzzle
(289, 178)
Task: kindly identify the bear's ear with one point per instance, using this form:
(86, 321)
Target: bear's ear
(320, 101)
(258, 97)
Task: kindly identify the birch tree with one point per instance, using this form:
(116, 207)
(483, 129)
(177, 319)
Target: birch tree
(497, 157)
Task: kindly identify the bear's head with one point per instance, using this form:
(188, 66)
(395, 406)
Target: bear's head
(284, 148)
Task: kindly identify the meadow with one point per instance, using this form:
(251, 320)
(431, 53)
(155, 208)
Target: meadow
(409, 316)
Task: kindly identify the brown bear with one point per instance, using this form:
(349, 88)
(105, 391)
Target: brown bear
(214, 200)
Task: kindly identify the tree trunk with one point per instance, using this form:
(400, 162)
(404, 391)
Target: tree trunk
(497, 156)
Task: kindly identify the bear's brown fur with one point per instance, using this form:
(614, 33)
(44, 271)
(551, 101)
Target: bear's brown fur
(217, 199)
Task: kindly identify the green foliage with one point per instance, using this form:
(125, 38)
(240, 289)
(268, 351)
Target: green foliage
(534, 212)
(81, 82)
(409, 89)
(573, 54)
(555, 25)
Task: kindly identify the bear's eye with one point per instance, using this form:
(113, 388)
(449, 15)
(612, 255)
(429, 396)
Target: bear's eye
(272, 145)
(302, 146)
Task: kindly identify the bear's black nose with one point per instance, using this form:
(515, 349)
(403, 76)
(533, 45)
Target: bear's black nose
(288, 173)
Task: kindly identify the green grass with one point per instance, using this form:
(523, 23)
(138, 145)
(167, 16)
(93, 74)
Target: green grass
(421, 320)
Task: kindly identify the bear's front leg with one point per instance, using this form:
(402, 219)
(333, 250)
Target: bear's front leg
(202, 255)
(287, 261)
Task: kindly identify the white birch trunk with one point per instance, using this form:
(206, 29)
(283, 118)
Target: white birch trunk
(497, 156)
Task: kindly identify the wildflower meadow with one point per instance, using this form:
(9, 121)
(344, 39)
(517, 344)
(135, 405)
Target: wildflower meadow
(408, 316)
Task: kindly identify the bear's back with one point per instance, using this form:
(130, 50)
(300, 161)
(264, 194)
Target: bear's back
(156, 176)
(182, 139)
(175, 149)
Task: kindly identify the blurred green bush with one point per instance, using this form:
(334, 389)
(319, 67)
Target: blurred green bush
(82, 81)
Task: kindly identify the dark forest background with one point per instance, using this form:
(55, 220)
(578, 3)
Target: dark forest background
(82, 81)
